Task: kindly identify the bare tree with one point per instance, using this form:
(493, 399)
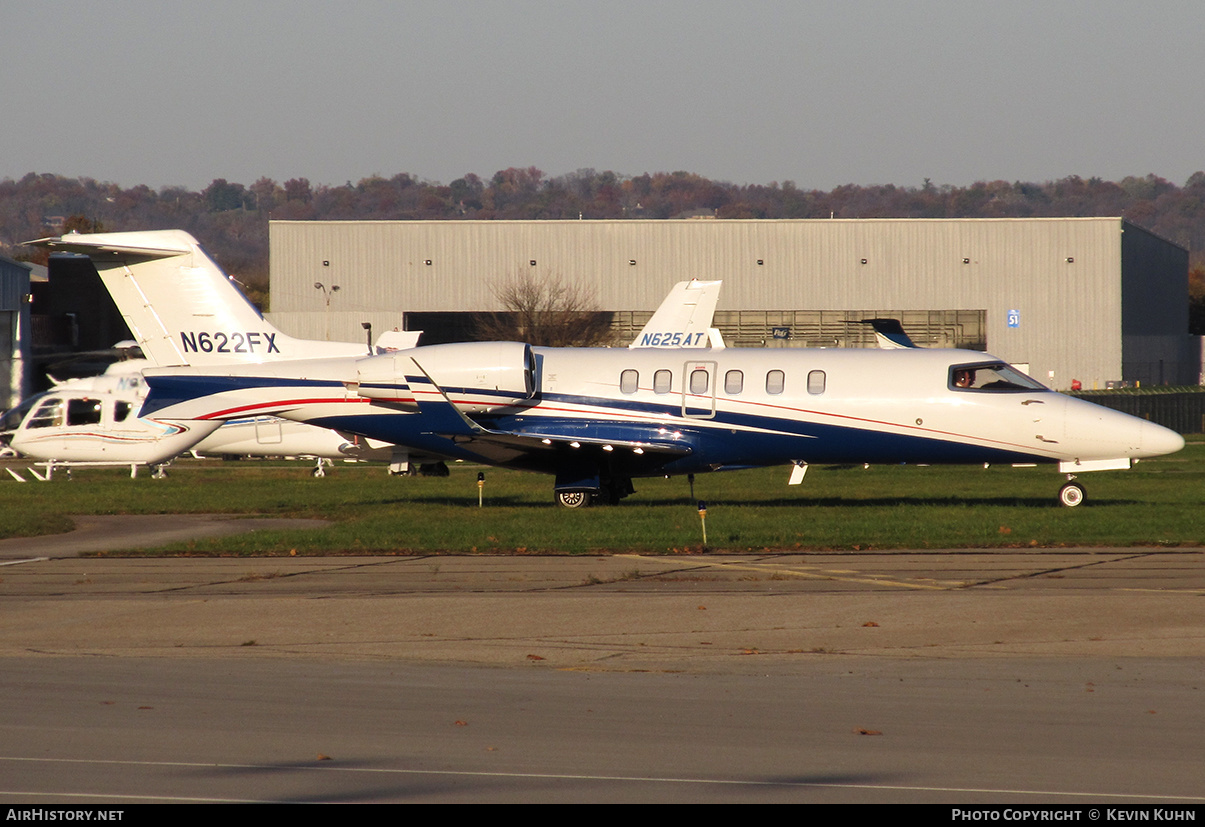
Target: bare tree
(546, 311)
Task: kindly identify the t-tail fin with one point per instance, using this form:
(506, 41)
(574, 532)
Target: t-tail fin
(179, 305)
(684, 318)
(889, 334)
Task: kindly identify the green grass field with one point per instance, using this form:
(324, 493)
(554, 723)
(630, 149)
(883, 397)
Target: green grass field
(1158, 503)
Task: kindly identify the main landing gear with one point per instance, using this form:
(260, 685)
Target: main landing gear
(610, 492)
(1072, 493)
(574, 499)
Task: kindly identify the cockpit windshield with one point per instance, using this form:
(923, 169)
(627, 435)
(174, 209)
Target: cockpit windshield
(12, 419)
(992, 376)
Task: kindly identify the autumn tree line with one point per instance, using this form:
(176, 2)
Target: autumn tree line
(231, 219)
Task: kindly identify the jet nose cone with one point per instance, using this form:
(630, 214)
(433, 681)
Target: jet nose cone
(1157, 440)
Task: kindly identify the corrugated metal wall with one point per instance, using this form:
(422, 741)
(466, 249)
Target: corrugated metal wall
(1062, 277)
(1155, 282)
(1183, 412)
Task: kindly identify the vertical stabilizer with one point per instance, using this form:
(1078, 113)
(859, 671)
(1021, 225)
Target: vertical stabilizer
(889, 334)
(684, 317)
(180, 306)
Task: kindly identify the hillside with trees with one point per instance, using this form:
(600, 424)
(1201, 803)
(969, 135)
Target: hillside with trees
(231, 219)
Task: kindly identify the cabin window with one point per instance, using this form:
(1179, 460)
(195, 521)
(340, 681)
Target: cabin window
(775, 380)
(816, 382)
(995, 377)
(48, 415)
(699, 381)
(629, 381)
(83, 411)
(121, 410)
(661, 381)
(734, 382)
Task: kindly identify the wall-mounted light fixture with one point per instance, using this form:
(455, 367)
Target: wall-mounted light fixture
(334, 288)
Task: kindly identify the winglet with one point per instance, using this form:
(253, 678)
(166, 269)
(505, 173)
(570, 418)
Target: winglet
(438, 411)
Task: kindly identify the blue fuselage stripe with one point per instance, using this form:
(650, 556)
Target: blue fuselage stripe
(727, 439)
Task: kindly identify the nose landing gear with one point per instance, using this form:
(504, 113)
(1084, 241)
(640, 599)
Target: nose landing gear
(1072, 493)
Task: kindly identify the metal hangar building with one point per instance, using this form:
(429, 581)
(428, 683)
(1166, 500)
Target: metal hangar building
(15, 331)
(1098, 300)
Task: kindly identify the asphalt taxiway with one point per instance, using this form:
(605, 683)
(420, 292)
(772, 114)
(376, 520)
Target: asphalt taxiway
(705, 612)
(1065, 676)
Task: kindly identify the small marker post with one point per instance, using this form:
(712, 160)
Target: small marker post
(480, 486)
(703, 520)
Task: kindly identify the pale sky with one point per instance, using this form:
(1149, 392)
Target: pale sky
(820, 93)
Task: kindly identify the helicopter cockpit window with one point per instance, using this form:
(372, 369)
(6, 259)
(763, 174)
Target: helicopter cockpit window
(991, 377)
(50, 414)
(12, 419)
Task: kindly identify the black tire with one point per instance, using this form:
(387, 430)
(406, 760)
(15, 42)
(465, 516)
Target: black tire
(1071, 495)
(574, 499)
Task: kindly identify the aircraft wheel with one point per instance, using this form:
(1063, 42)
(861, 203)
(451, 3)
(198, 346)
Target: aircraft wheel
(1071, 495)
(574, 499)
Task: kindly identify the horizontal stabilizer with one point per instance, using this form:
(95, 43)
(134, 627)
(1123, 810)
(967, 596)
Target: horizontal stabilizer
(159, 244)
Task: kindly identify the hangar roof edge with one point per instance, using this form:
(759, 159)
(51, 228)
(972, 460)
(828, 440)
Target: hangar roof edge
(707, 221)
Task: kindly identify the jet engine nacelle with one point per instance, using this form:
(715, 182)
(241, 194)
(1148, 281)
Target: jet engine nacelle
(478, 377)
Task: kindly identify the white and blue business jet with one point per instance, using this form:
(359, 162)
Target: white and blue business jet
(595, 419)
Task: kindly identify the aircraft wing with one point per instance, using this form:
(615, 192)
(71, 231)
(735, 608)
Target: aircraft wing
(541, 450)
(538, 450)
(639, 444)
